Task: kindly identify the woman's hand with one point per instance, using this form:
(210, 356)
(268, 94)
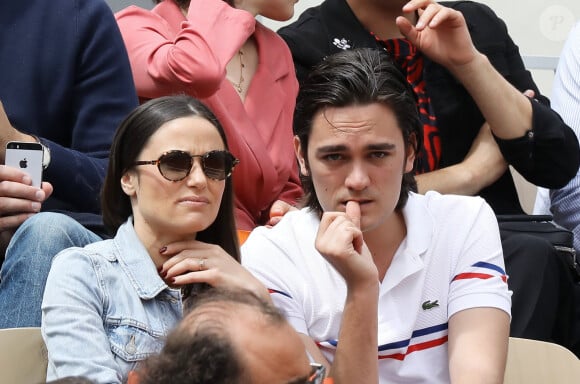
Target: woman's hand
(198, 262)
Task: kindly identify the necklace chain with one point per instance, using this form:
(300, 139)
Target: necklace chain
(238, 85)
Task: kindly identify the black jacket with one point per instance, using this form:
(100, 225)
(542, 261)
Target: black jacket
(548, 156)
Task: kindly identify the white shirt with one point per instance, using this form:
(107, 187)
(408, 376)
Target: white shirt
(450, 260)
(565, 202)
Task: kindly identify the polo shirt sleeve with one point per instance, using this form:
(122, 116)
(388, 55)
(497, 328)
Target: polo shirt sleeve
(269, 259)
(478, 278)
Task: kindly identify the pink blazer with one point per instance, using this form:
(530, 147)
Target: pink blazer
(174, 54)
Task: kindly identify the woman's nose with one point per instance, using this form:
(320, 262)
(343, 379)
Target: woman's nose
(196, 176)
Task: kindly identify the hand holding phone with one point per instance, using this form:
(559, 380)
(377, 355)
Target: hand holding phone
(27, 157)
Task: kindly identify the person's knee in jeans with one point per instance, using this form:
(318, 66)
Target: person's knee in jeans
(27, 263)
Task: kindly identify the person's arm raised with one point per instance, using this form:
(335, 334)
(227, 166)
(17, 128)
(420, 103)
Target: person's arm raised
(441, 33)
(340, 241)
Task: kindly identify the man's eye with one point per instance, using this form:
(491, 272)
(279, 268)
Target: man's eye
(333, 157)
(378, 155)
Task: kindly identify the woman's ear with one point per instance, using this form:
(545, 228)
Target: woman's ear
(300, 156)
(129, 183)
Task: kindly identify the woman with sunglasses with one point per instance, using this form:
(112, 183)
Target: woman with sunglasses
(215, 50)
(168, 196)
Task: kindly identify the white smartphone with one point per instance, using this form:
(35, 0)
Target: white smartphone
(26, 157)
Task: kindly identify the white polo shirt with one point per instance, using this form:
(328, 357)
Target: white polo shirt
(450, 260)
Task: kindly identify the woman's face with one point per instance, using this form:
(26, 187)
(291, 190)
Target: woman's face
(175, 209)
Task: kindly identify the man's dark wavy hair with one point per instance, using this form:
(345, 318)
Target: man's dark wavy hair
(357, 77)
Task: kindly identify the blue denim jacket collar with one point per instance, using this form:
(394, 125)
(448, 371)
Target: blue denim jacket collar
(138, 265)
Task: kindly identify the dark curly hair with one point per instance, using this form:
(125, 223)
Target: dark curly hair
(357, 77)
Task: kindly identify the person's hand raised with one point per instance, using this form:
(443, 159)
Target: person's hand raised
(340, 241)
(198, 262)
(440, 33)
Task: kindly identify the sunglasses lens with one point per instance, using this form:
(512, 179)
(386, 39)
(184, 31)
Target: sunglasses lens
(217, 164)
(175, 165)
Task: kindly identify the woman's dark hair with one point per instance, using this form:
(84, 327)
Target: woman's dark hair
(357, 77)
(130, 138)
(184, 4)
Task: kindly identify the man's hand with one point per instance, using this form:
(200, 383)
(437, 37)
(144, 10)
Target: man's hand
(340, 241)
(18, 198)
(440, 33)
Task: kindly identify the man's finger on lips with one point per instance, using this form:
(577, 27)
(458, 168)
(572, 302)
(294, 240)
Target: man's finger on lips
(353, 212)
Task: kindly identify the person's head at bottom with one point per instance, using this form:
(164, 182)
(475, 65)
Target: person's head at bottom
(230, 337)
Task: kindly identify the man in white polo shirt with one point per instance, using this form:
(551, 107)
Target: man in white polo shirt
(385, 285)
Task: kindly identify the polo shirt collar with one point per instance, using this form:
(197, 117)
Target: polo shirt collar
(408, 258)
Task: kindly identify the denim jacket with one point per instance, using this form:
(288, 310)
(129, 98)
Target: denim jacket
(105, 308)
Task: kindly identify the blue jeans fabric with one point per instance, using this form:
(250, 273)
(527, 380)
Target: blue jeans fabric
(28, 259)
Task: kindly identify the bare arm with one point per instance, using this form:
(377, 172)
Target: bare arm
(357, 345)
(478, 344)
(482, 166)
(340, 241)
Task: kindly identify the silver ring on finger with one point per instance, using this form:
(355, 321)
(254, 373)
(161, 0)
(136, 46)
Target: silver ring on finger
(201, 265)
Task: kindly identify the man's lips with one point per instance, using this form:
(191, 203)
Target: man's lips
(359, 201)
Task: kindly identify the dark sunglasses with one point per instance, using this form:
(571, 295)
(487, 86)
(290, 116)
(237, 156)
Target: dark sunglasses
(176, 165)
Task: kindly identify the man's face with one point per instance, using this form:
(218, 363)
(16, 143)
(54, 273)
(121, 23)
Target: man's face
(357, 153)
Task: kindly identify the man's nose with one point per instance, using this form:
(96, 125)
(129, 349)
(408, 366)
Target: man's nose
(358, 177)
